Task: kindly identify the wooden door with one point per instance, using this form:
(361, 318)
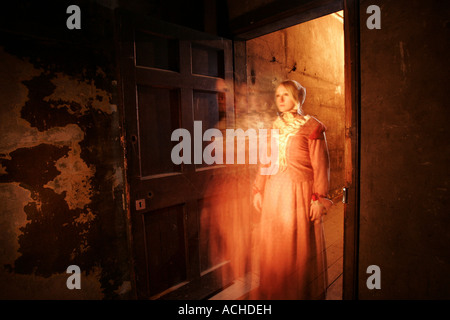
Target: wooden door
(171, 77)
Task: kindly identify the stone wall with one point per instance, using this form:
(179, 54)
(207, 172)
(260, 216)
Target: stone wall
(311, 53)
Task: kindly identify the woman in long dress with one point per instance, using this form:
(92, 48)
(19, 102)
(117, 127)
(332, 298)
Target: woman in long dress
(292, 202)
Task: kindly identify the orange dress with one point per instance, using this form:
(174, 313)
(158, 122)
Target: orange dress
(291, 247)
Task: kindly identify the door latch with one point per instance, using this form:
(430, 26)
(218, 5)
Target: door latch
(344, 195)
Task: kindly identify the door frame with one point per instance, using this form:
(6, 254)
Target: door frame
(283, 14)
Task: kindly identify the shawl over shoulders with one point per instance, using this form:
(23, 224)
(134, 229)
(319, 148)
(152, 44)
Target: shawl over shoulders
(314, 128)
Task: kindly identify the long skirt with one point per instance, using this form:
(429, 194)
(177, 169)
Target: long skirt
(290, 247)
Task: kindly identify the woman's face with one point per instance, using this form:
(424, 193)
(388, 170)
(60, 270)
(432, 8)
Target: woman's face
(283, 100)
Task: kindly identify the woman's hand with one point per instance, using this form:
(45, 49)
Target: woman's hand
(317, 210)
(257, 201)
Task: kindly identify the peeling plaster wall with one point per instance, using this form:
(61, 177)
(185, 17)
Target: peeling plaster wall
(61, 158)
(313, 54)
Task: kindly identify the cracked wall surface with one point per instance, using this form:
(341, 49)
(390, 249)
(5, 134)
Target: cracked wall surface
(61, 170)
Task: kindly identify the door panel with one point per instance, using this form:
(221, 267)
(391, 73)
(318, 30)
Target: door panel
(210, 240)
(207, 61)
(165, 248)
(155, 51)
(158, 114)
(171, 77)
(210, 109)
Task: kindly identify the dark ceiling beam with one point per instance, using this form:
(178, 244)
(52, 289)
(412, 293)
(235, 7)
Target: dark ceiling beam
(280, 14)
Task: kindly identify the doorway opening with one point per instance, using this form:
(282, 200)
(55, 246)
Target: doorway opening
(311, 53)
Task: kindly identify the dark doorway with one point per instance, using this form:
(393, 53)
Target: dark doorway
(311, 53)
(274, 18)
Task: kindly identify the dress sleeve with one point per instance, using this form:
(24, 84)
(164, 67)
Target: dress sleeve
(259, 183)
(260, 179)
(318, 152)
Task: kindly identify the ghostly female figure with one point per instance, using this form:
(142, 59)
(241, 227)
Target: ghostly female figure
(291, 202)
